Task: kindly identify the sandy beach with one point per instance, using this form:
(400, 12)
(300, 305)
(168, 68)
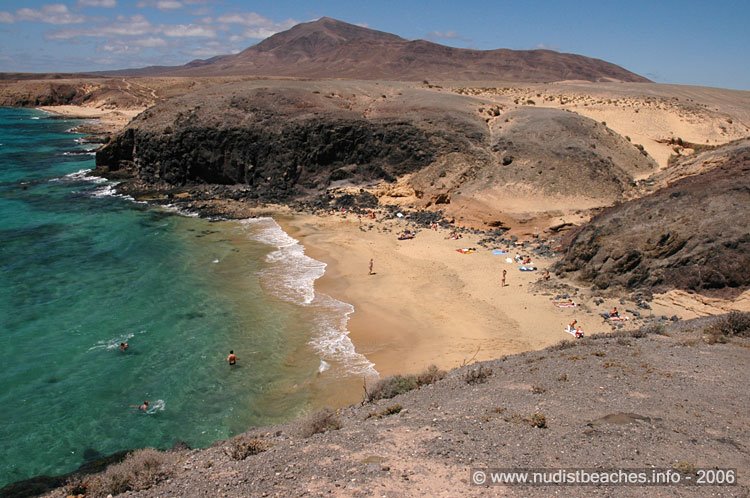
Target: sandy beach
(107, 120)
(426, 303)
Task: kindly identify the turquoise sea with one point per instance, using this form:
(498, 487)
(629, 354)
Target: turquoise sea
(83, 269)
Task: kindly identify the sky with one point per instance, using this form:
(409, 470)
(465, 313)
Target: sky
(685, 42)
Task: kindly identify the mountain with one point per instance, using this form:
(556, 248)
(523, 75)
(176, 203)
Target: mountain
(328, 48)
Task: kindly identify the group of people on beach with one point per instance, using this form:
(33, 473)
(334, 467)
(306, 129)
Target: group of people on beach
(575, 329)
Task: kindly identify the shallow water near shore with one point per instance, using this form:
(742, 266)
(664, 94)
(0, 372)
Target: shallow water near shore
(83, 270)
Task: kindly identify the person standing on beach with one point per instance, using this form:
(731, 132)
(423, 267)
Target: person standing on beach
(232, 358)
(371, 263)
(502, 283)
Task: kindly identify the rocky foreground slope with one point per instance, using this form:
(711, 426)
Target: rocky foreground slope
(692, 235)
(672, 399)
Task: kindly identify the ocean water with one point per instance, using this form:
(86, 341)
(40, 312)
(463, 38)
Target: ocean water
(82, 269)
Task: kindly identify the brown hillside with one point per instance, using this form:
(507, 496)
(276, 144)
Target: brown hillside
(328, 48)
(693, 235)
(288, 140)
(537, 159)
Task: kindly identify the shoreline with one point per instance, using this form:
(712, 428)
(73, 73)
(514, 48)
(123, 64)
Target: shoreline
(427, 303)
(108, 121)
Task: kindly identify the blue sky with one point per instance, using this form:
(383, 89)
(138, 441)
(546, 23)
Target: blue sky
(687, 42)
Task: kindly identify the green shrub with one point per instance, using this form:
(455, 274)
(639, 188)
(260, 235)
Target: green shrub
(392, 386)
(399, 384)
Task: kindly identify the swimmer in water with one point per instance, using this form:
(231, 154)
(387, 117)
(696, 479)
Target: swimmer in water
(123, 346)
(232, 358)
(143, 407)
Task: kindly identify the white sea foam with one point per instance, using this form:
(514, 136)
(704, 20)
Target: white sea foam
(113, 343)
(157, 406)
(83, 175)
(82, 153)
(176, 209)
(291, 276)
(109, 191)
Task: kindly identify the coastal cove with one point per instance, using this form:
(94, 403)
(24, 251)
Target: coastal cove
(85, 269)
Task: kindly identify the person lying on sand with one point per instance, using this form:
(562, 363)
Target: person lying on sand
(567, 303)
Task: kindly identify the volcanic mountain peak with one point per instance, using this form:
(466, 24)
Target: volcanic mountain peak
(322, 34)
(329, 48)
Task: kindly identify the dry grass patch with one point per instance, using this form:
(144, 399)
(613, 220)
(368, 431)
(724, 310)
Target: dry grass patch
(398, 384)
(140, 470)
(323, 421)
(389, 410)
(734, 324)
(242, 447)
(478, 375)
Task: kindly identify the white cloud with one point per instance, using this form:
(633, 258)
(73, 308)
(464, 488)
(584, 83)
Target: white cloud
(132, 46)
(258, 33)
(187, 30)
(208, 49)
(544, 46)
(136, 25)
(257, 26)
(56, 13)
(245, 18)
(448, 35)
(161, 4)
(6, 18)
(97, 3)
(151, 42)
(118, 48)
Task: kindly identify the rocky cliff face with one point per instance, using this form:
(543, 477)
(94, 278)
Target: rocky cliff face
(692, 235)
(278, 144)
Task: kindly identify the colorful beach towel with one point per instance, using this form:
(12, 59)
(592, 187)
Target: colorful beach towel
(527, 268)
(466, 250)
(498, 252)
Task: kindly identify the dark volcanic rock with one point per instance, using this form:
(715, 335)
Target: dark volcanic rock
(693, 235)
(280, 143)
